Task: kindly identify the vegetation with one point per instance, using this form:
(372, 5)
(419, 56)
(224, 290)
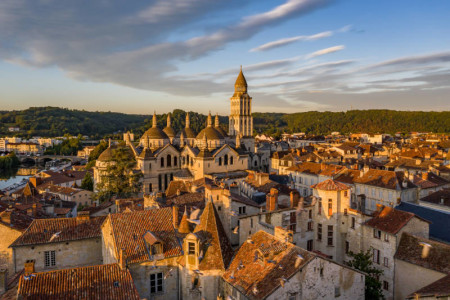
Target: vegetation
(69, 146)
(53, 121)
(8, 165)
(88, 182)
(121, 179)
(363, 261)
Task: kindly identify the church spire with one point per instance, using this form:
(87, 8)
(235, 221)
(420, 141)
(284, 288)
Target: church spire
(154, 120)
(241, 84)
(209, 120)
(188, 122)
(169, 122)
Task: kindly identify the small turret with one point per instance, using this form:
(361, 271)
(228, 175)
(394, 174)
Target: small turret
(216, 121)
(169, 122)
(154, 120)
(209, 120)
(188, 122)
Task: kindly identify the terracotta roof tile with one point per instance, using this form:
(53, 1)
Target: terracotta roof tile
(389, 220)
(248, 275)
(41, 230)
(129, 228)
(94, 282)
(410, 250)
(440, 197)
(317, 168)
(331, 185)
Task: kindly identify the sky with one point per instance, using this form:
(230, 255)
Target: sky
(297, 55)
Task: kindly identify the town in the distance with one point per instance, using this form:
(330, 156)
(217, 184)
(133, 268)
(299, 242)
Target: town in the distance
(226, 214)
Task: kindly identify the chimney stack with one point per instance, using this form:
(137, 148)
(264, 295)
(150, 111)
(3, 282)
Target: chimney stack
(295, 198)
(29, 266)
(425, 175)
(117, 206)
(272, 200)
(175, 216)
(122, 259)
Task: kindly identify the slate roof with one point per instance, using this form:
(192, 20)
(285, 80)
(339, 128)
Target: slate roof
(70, 229)
(440, 221)
(264, 275)
(429, 180)
(218, 251)
(94, 282)
(389, 220)
(410, 250)
(330, 185)
(128, 230)
(439, 197)
(439, 288)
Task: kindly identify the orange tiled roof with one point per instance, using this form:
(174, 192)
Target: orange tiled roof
(389, 219)
(330, 185)
(94, 282)
(260, 275)
(317, 168)
(128, 230)
(218, 254)
(41, 230)
(384, 179)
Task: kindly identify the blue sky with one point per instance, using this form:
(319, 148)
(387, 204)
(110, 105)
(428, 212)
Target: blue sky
(297, 55)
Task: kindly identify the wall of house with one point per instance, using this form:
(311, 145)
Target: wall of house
(108, 253)
(8, 236)
(409, 278)
(69, 254)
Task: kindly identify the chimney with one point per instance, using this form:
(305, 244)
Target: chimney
(3, 281)
(425, 249)
(425, 175)
(118, 205)
(83, 216)
(122, 259)
(175, 216)
(29, 266)
(272, 200)
(295, 197)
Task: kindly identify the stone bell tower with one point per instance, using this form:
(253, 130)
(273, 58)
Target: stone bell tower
(241, 120)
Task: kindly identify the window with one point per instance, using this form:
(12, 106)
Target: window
(320, 208)
(169, 160)
(345, 211)
(330, 207)
(310, 213)
(242, 210)
(157, 248)
(225, 160)
(376, 256)
(175, 161)
(345, 193)
(231, 160)
(156, 283)
(220, 161)
(386, 237)
(376, 233)
(162, 162)
(309, 245)
(150, 187)
(330, 235)
(191, 248)
(319, 232)
(353, 223)
(386, 262)
(251, 223)
(50, 258)
(385, 285)
(347, 247)
(310, 225)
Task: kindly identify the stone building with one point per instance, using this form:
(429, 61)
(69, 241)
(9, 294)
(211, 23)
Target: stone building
(60, 243)
(269, 267)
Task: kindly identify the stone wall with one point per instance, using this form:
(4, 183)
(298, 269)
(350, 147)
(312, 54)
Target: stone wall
(8, 236)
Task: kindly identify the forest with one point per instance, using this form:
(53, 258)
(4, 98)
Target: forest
(54, 121)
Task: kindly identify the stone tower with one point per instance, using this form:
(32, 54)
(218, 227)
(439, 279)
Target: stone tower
(241, 120)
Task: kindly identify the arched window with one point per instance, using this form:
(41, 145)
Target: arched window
(187, 157)
(159, 182)
(169, 160)
(162, 162)
(231, 159)
(220, 161)
(150, 187)
(175, 161)
(171, 176)
(225, 159)
(256, 163)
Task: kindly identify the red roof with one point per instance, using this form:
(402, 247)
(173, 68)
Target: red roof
(94, 282)
(331, 185)
(390, 220)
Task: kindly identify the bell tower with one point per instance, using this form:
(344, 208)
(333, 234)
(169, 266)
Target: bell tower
(241, 120)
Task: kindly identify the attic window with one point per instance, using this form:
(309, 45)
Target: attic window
(191, 248)
(157, 248)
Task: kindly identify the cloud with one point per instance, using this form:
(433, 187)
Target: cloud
(287, 41)
(325, 51)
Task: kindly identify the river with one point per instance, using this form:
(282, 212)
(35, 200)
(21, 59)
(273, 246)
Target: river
(16, 176)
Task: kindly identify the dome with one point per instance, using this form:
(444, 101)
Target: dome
(221, 131)
(170, 132)
(106, 155)
(211, 134)
(154, 133)
(188, 133)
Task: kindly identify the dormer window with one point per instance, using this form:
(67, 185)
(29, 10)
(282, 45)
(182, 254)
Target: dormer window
(191, 248)
(153, 244)
(157, 248)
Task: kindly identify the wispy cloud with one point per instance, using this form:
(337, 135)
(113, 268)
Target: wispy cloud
(287, 41)
(325, 51)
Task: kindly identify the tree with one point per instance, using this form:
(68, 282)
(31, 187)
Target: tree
(121, 178)
(363, 262)
(88, 182)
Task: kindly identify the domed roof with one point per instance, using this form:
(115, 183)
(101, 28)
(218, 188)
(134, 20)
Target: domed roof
(188, 133)
(106, 155)
(211, 134)
(221, 131)
(170, 132)
(154, 133)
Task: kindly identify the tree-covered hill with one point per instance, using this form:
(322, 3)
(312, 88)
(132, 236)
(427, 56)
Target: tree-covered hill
(54, 121)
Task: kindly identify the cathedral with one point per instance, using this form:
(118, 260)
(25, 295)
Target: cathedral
(164, 155)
